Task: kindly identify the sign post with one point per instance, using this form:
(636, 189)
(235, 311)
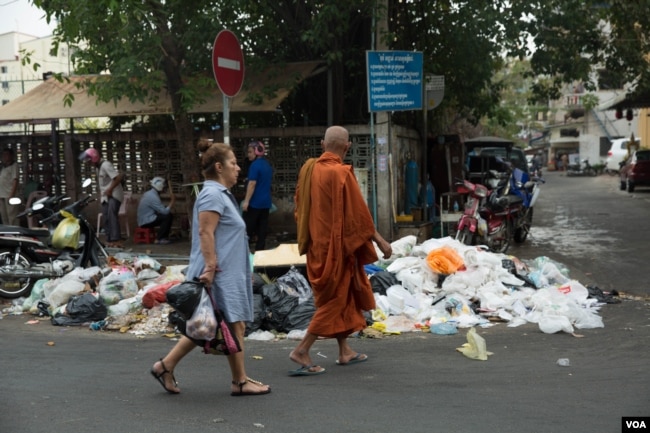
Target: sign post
(394, 80)
(228, 67)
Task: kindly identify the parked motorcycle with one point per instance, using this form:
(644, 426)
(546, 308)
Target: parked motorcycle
(582, 169)
(527, 188)
(471, 225)
(67, 241)
(496, 216)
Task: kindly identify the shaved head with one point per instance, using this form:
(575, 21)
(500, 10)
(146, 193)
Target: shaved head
(337, 140)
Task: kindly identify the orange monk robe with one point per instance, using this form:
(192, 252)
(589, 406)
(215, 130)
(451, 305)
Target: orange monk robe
(340, 231)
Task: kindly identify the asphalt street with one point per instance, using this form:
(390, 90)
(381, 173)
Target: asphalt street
(89, 381)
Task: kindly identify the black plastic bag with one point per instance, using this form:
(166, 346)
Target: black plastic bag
(284, 311)
(381, 281)
(185, 297)
(258, 283)
(81, 309)
(258, 314)
(278, 305)
(300, 316)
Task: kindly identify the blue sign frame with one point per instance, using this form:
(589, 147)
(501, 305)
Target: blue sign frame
(394, 80)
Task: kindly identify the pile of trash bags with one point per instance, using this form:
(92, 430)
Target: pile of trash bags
(444, 284)
(440, 285)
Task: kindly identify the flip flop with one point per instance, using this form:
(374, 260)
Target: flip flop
(359, 357)
(304, 371)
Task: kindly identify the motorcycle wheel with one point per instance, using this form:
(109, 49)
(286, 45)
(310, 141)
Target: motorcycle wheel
(500, 242)
(465, 237)
(14, 287)
(522, 231)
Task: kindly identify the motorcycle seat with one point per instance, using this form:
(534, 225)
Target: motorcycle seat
(514, 199)
(35, 232)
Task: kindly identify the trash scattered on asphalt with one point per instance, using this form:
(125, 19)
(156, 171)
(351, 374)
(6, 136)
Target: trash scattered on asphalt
(482, 289)
(475, 348)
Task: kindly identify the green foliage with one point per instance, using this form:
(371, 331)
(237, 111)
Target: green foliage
(151, 45)
(575, 38)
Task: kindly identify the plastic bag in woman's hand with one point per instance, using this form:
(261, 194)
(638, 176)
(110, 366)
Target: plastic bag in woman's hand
(203, 323)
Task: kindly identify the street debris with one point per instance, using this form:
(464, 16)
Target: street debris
(438, 286)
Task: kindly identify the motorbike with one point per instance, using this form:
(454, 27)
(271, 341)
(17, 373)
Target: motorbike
(493, 217)
(27, 255)
(582, 169)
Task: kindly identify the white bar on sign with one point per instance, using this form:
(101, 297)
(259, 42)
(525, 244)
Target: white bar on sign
(228, 63)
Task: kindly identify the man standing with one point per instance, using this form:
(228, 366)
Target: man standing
(257, 202)
(336, 231)
(152, 213)
(111, 192)
(8, 185)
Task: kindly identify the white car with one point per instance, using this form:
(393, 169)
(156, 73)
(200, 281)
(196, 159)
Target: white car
(617, 153)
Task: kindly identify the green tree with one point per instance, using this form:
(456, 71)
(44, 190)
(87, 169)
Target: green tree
(572, 39)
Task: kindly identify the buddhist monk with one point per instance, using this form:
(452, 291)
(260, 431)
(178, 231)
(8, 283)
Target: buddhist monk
(336, 231)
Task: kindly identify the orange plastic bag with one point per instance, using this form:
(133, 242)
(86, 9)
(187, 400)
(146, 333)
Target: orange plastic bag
(444, 260)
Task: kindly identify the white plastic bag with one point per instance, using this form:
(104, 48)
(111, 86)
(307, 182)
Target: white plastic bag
(475, 348)
(553, 323)
(203, 323)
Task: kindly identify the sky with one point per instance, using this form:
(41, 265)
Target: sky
(22, 16)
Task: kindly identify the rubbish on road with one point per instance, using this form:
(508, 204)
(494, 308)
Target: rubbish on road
(261, 335)
(475, 348)
(486, 290)
(445, 260)
(81, 309)
(564, 362)
(445, 328)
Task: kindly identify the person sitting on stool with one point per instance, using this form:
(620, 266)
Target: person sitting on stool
(152, 213)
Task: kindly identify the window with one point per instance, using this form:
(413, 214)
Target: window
(3, 69)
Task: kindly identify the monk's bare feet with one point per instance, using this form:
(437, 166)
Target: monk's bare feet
(351, 358)
(304, 360)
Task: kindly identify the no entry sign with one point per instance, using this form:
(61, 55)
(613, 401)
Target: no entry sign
(228, 63)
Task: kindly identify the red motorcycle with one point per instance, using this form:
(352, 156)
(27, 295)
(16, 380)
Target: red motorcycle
(490, 216)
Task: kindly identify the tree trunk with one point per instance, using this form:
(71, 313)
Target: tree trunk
(184, 130)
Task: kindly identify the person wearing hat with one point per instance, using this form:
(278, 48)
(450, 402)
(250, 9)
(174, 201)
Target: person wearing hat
(109, 180)
(152, 213)
(257, 202)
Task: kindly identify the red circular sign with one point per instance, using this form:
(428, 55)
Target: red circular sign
(228, 63)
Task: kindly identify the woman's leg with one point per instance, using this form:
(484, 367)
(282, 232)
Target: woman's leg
(169, 362)
(240, 381)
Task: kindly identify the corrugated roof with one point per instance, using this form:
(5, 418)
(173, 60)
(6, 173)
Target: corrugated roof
(46, 100)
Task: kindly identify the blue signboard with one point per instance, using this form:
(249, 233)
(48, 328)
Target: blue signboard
(394, 80)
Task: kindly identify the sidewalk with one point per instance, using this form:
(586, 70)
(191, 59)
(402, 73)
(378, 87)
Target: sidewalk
(179, 249)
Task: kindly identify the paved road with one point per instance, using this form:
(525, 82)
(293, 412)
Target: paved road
(99, 382)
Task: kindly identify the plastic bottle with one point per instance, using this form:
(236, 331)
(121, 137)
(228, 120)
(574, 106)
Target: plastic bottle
(456, 208)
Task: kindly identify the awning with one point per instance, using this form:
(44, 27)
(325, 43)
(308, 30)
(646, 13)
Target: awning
(46, 100)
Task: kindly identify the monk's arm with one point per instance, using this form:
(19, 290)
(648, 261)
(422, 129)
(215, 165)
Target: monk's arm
(383, 245)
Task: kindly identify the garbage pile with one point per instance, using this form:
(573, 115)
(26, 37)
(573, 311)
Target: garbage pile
(440, 285)
(443, 282)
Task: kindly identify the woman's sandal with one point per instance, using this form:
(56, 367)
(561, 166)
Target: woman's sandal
(159, 378)
(241, 388)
